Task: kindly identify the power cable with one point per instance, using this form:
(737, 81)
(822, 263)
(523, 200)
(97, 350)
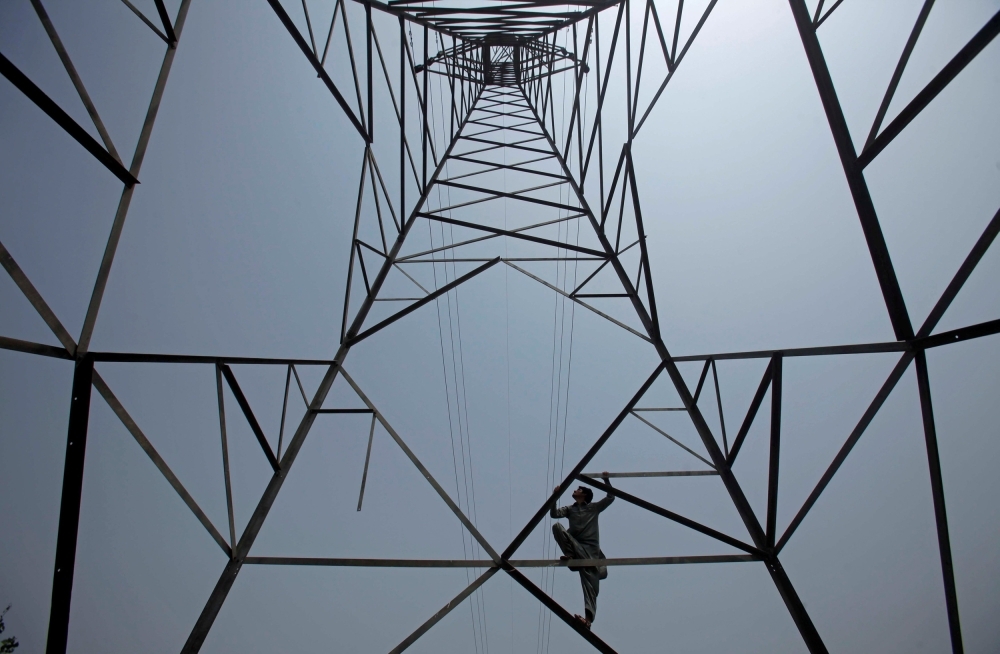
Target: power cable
(476, 632)
(506, 294)
(555, 398)
(458, 370)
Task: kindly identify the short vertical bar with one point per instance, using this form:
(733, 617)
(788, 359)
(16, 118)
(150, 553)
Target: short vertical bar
(940, 514)
(371, 106)
(402, 117)
(718, 400)
(628, 70)
(284, 410)
(368, 456)
(225, 456)
(772, 476)
(69, 509)
(423, 186)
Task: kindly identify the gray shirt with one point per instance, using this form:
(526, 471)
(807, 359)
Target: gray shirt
(583, 521)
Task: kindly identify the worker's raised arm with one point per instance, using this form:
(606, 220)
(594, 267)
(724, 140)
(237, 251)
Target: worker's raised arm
(558, 512)
(600, 505)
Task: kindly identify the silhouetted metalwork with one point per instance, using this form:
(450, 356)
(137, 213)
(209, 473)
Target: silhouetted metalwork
(497, 63)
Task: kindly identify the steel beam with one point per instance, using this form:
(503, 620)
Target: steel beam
(56, 113)
(69, 507)
(670, 515)
(242, 548)
(940, 512)
(138, 156)
(853, 171)
(772, 474)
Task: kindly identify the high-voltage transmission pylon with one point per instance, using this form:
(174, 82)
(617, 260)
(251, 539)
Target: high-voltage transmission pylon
(492, 108)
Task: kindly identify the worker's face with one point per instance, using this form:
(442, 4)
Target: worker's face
(578, 495)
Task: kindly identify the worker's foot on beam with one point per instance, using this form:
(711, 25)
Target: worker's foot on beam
(585, 621)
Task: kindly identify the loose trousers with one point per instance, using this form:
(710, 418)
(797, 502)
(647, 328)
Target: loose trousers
(590, 577)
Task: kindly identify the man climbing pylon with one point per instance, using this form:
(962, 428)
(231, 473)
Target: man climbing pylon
(583, 541)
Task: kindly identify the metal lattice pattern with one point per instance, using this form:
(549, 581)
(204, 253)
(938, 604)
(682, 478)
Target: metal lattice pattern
(497, 62)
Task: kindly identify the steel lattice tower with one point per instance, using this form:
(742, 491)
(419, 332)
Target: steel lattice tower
(497, 63)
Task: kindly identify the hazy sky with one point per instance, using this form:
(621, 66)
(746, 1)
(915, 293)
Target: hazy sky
(237, 243)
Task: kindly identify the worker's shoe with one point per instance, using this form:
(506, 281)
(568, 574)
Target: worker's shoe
(585, 621)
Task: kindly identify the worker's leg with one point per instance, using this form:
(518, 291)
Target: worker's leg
(591, 586)
(569, 545)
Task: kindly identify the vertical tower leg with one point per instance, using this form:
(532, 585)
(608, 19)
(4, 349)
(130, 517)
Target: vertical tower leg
(69, 509)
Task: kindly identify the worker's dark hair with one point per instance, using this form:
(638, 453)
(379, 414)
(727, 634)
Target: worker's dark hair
(587, 494)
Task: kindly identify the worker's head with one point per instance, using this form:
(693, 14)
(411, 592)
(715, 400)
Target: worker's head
(583, 495)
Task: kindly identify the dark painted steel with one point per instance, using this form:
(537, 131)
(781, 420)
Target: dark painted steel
(795, 607)
(897, 74)
(147, 22)
(718, 402)
(670, 515)
(512, 234)
(224, 439)
(158, 461)
(861, 348)
(758, 397)
(940, 511)
(124, 202)
(168, 27)
(853, 171)
(318, 67)
(371, 103)
(933, 88)
(676, 62)
(75, 78)
(17, 345)
(248, 413)
(368, 456)
(736, 494)
(823, 18)
(525, 58)
(963, 274)
(416, 305)
(488, 563)
(55, 112)
(578, 468)
(576, 299)
(701, 380)
(152, 357)
(674, 440)
(775, 449)
(639, 475)
(560, 612)
(228, 576)
(284, 411)
(69, 507)
(35, 299)
(365, 411)
(852, 440)
(445, 610)
(963, 334)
